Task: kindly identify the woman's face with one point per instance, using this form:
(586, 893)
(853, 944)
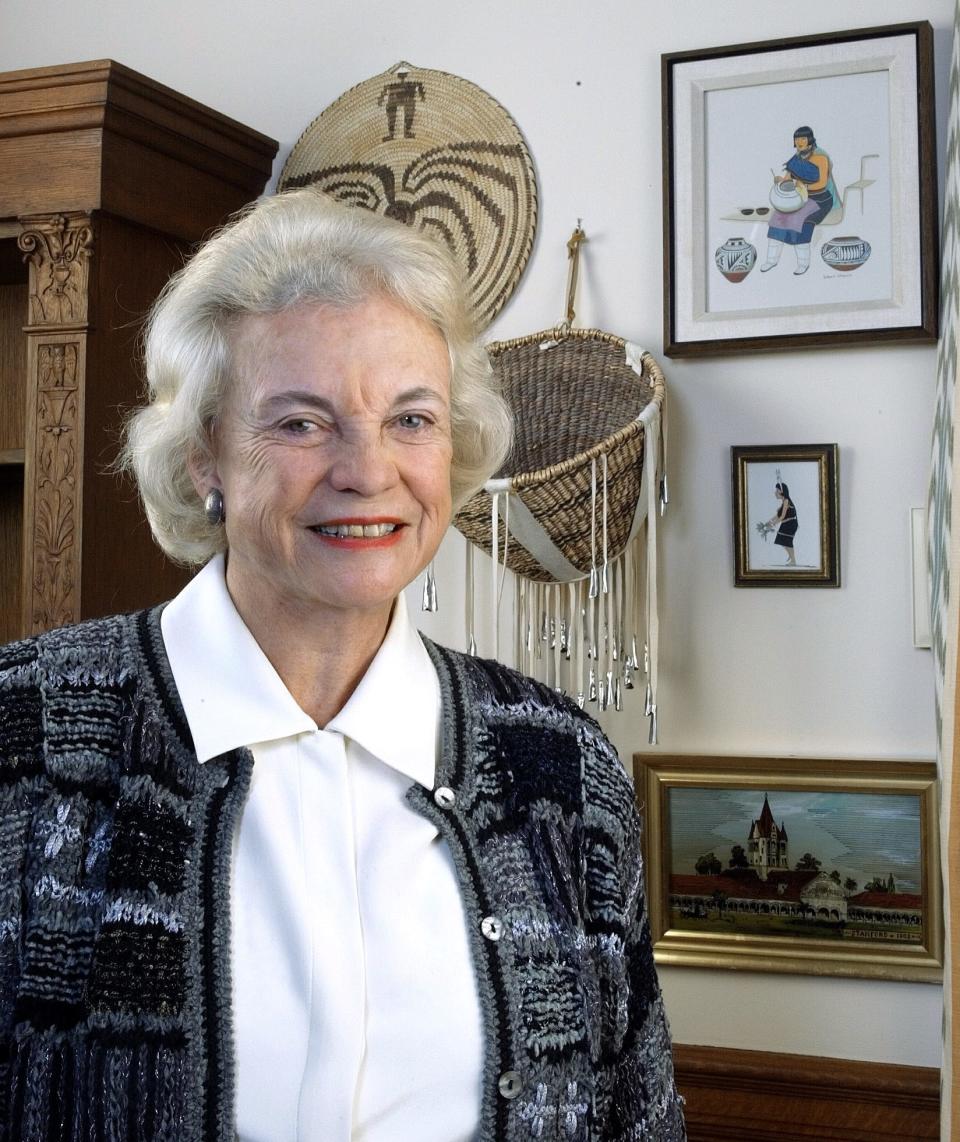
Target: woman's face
(333, 454)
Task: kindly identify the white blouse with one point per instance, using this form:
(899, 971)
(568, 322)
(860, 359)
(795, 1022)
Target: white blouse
(356, 1017)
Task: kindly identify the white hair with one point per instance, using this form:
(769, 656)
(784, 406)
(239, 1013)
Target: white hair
(292, 249)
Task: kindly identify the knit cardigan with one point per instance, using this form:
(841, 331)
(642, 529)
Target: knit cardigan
(115, 848)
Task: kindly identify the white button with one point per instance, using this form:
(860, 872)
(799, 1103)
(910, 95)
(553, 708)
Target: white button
(444, 797)
(492, 927)
(510, 1084)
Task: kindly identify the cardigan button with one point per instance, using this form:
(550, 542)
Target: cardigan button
(510, 1084)
(444, 797)
(492, 927)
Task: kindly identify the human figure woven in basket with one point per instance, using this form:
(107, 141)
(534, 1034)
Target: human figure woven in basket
(401, 96)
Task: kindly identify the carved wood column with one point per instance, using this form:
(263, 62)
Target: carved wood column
(57, 248)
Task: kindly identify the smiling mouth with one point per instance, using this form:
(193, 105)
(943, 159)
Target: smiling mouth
(356, 530)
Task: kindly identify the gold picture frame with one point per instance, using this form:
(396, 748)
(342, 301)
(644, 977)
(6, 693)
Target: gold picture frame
(786, 515)
(776, 905)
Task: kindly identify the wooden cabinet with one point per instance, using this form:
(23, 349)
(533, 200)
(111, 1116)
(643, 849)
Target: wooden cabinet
(107, 179)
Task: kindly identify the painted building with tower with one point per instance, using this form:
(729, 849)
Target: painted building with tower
(767, 843)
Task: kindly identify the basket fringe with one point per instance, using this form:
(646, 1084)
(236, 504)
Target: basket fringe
(581, 631)
(582, 636)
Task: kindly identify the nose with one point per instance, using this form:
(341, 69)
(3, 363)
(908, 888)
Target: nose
(363, 463)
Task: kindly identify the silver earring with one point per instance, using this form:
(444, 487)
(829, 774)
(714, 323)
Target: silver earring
(213, 507)
(428, 601)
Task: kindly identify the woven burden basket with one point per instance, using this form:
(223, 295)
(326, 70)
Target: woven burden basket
(577, 397)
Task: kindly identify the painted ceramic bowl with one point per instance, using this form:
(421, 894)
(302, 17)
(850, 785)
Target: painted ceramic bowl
(735, 259)
(847, 253)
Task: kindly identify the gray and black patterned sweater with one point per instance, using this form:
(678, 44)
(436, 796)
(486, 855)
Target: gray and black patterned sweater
(115, 1019)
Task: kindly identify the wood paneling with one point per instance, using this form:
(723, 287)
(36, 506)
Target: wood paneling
(13, 375)
(11, 550)
(63, 169)
(13, 365)
(762, 1096)
(134, 573)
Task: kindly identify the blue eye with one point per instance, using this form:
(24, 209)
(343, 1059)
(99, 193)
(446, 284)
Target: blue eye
(413, 420)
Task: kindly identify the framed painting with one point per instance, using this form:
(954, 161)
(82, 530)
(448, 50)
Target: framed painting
(821, 867)
(800, 192)
(786, 515)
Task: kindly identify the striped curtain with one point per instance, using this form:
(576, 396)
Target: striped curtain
(944, 557)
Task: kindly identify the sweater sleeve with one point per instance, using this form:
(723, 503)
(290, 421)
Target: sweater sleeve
(645, 1103)
(639, 1100)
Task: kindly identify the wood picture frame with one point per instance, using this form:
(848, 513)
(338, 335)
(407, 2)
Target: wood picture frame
(844, 249)
(813, 866)
(786, 515)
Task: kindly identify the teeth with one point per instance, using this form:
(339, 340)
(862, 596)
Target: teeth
(356, 530)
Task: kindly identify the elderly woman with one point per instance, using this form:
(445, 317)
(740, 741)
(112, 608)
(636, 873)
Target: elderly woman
(274, 866)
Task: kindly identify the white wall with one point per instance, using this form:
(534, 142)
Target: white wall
(824, 673)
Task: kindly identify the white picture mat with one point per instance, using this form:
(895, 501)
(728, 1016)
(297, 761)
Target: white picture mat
(803, 480)
(743, 176)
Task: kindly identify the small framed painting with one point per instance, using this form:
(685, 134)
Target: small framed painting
(816, 866)
(786, 515)
(800, 192)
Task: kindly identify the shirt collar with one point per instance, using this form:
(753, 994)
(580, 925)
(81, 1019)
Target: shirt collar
(233, 697)
(394, 713)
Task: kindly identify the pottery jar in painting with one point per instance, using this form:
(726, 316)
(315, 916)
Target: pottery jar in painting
(786, 196)
(735, 259)
(848, 253)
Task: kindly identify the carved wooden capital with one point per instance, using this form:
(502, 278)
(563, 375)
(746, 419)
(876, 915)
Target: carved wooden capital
(57, 248)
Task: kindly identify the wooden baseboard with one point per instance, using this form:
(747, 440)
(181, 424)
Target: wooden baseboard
(735, 1096)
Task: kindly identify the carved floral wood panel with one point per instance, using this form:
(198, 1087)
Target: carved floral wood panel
(58, 450)
(57, 249)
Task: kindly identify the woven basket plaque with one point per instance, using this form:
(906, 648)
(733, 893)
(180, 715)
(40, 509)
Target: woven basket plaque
(435, 151)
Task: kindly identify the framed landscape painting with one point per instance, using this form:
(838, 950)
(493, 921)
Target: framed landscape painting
(800, 192)
(824, 867)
